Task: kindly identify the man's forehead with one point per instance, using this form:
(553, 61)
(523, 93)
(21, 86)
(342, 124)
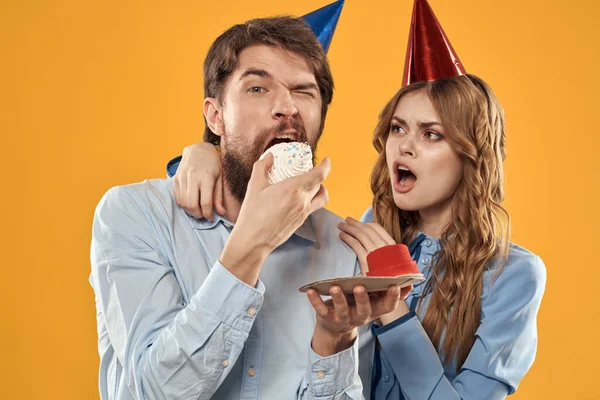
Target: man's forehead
(278, 62)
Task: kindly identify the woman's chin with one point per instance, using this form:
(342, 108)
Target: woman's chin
(406, 203)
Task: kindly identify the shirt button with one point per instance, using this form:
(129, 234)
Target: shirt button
(227, 225)
(425, 261)
(321, 374)
(225, 363)
(251, 371)
(386, 378)
(252, 311)
(428, 243)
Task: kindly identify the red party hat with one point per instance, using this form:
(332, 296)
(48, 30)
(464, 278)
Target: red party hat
(429, 55)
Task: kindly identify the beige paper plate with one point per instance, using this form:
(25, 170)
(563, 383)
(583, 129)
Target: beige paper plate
(371, 283)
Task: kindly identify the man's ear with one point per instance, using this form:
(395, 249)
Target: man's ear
(213, 114)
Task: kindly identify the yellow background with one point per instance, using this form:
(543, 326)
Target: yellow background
(101, 93)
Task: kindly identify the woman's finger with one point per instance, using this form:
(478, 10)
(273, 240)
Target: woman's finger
(369, 240)
(376, 233)
(358, 249)
(187, 196)
(206, 188)
(383, 234)
(218, 198)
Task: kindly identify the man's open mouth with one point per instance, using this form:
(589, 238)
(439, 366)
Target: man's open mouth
(282, 138)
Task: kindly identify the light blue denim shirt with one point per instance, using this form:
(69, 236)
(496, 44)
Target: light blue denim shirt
(408, 365)
(173, 323)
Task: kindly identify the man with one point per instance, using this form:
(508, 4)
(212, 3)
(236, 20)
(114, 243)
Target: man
(198, 309)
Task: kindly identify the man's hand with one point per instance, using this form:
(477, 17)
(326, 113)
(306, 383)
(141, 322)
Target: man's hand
(270, 214)
(338, 319)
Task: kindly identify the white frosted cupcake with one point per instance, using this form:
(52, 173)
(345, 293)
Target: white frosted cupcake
(290, 159)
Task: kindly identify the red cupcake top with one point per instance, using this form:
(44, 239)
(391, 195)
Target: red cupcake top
(392, 260)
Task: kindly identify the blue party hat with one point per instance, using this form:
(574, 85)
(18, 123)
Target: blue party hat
(323, 22)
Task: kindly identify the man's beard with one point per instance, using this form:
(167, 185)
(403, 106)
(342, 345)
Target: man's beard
(239, 157)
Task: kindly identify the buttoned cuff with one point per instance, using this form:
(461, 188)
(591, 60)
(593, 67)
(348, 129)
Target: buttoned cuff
(231, 300)
(334, 374)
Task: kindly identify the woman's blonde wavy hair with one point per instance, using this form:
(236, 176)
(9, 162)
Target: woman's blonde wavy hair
(478, 231)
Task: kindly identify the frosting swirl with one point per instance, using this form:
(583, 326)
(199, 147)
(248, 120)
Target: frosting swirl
(290, 159)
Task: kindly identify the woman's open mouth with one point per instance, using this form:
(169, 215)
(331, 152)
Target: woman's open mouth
(405, 179)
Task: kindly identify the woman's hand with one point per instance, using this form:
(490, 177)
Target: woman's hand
(363, 238)
(198, 182)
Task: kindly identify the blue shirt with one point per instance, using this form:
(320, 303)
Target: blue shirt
(409, 367)
(174, 323)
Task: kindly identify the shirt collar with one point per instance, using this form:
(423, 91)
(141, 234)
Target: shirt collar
(306, 230)
(205, 224)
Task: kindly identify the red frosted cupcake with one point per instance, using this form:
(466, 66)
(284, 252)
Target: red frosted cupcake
(392, 260)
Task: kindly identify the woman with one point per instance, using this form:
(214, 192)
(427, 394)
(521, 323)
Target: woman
(437, 186)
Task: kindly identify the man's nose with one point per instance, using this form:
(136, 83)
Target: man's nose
(284, 106)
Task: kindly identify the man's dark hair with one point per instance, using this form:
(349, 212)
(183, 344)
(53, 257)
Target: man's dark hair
(288, 33)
